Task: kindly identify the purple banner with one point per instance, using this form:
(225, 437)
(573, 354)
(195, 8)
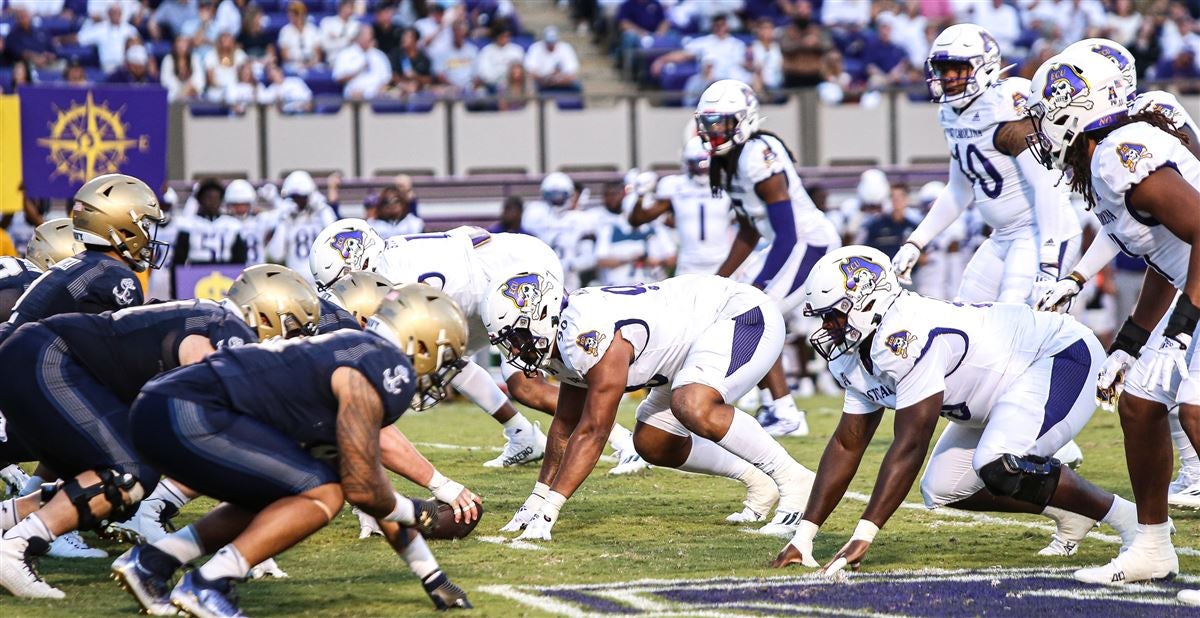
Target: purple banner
(209, 281)
(71, 135)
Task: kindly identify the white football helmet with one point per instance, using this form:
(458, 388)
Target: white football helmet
(929, 193)
(848, 289)
(958, 45)
(557, 189)
(695, 157)
(298, 182)
(1115, 53)
(342, 247)
(1070, 95)
(727, 115)
(873, 187)
(521, 318)
(240, 191)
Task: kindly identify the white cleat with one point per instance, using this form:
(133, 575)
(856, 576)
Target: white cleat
(1190, 597)
(779, 427)
(1070, 455)
(795, 484)
(267, 568)
(1134, 565)
(367, 525)
(14, 478)
(1187, 497)
(18, 572)
(628, 462)
(71, 545)
(522, 447)
(1072, 528)
(1187, 477)
(146, 525)
(761, 496)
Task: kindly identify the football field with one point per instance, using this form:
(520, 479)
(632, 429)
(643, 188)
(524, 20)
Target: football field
(655, 543)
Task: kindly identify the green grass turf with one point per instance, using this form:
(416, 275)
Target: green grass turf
(659, 524)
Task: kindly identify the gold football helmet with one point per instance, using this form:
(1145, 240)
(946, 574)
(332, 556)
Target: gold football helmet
(360, 293)
(276, 302)
(120, 211)
(430, 328)
(52, 242)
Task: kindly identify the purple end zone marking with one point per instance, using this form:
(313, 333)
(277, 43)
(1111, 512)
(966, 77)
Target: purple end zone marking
(592, 602)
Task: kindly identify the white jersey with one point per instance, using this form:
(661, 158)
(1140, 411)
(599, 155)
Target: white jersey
(761, 158)
(210, 240)
(1002, 194)
(660, 320)
(938, 276)
(1166, 103)
(617, 240)
(411, 224)
(703, 223)
(294, 235)
(570, 233)
(970, 353)
(1123, 159)
(253, 233)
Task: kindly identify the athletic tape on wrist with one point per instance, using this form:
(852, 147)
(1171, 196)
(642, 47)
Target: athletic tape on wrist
(865, 531)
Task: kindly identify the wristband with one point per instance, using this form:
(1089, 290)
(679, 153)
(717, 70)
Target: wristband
(865, 531)
(807, 529)
(1129, 339)
(1183, 319)
(436, 481)
(553, 504)
(404, 512)
(919, 248)
(1077, 278)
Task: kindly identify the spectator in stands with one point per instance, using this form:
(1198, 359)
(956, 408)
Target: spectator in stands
(516, 88)
(908, 31)
(76, 75)
(846, 14)
(487, 14)
(22, 75)
(242, 94)
(338, 31)
(886, 62)
(436, 28)
(494, 60)
(889, 230)
(699, 81)
(510, 217)
(203, 28)
(290, 94)
(221, 66)
(299, 41)
(110, 38)
(454, 66)
(1124, 23)
(835, 81)
(727, 52)
(1081, 19)
(387, 34)
(29, 43)
(1001, 19)
(254, 38)
(411, 68)
(229, 15)
(803, 43)
(766, 57)
(132, 11)
(42, 8)
(362, 69)
(637, 19)
(182, 72)
(552, 63)
(138, 69)
(1182, 67)
(169, 18)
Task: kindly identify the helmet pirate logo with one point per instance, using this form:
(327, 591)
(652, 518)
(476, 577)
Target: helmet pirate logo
(1111, 54)
(350, 245)
(1064, 88)
(863, 278)
(525, 292)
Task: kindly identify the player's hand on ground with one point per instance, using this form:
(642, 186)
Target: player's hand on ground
(1057, 296)
(799, 549)
(524, 514)
(1164, 362)
(538, 528)
(1110, 382)
(904, 261)
(850, 555)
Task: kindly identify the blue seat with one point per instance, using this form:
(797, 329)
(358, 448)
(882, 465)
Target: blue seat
(95, 74)
(58, 25)
(523, 40)
(208, 109)
(327, 105)
(389, 106)
(271, 6)
(83, 54)
(568, 102)
(675, 75)
(322, 82)
(159, 49)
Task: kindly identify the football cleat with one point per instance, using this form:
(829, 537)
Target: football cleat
(783, 525)
(198, 597)
(1134, 565)
(71, 545)
(628, 462)
(1072, 528)
(151, 590)
(1187, 497)
(149, 524)
(444, 593)
(1188, 476)
(14, 478)
(367, 525)
(1070, 455)
(267, 568)
(795, 426)
(1190, 597)
(18, 570)
(761, 496)
(522, 447)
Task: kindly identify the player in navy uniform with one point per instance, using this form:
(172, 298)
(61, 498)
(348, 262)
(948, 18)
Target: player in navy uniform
(283, 433)
(52, 242)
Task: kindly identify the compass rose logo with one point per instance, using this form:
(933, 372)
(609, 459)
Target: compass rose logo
(90, 139)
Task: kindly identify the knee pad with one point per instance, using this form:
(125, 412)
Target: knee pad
(115, 486)
(1029, 478)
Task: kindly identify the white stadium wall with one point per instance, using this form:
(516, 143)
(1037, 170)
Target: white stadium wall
(597, 138)
(404, 143)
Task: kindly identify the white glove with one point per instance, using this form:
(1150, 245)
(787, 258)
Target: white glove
(524, 514)
(904, 261)
(445, 489)
(645, 183)
(367, 525)
(1171, 356)
(1110, 382)
(1057, 296)
(803, 542)
(538, 528)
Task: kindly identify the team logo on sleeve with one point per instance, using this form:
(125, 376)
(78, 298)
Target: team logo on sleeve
(1131, 154)
(769, 155)
(350, 245)
(1019, 99)
(395, 379)
(899, 341)
(1167, 110)
(863, 277)
(1064, 86)
(590, 341)
(525, 291)
(123, 292)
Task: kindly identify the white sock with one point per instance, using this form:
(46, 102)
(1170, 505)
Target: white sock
(1187, 451)
(8, 514)
(168, 492)
(182, 545)
(418, 557)
(785, 407)
(764, 397)
(30, 527)
(1154, 536)
(708, 458)
(748, 440)
(1119, 512)
(226, 563)
(620, 438)
(33, 484)
(518, 423)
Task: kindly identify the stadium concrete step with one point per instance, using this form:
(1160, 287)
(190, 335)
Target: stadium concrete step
(595, 67)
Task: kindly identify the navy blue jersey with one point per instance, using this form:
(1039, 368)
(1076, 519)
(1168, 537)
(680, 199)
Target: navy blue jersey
(16, 275)
(90, 282)
(287, 384)
(125, 349)
(334, 318)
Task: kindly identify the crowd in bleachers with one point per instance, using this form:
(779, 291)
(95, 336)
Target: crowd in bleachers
(231, 54)
(849, 49)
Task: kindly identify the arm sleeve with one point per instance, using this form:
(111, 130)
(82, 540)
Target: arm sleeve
(1098, 255)
(1049, 203)
(783, 222)
(953, 200)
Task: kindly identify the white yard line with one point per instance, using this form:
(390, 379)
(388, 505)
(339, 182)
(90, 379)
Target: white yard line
(513, 543)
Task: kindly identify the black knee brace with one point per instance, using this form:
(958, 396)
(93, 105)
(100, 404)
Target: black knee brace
(114, 485)
(46, 491)
(1029, 479)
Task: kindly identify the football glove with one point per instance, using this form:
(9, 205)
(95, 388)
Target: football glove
(904, 261)
(521, 518)
(1170, 357)
(1057, 296)
(1110, 382)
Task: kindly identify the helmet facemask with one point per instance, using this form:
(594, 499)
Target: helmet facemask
(432, 388)
(946, 89)
(836, 336)
(521, 347)
(720, 131)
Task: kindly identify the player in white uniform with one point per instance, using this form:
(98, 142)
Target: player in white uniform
(1015, 385)
(303, 214)
(1143, 184)
(241, 203)
(758, 173)
(702, 222)
(558, 221)
(1034, 235)
(208, 236)
(698, 342)
(938, 274)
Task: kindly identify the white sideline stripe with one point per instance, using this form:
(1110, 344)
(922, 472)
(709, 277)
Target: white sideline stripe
(513, 543)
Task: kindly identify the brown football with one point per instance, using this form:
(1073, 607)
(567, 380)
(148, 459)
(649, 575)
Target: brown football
(447, 528)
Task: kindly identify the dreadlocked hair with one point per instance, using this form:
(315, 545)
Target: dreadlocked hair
(1080, 164)
(721, 169)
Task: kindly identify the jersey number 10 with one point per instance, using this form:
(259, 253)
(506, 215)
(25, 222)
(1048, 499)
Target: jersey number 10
(988, 179)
